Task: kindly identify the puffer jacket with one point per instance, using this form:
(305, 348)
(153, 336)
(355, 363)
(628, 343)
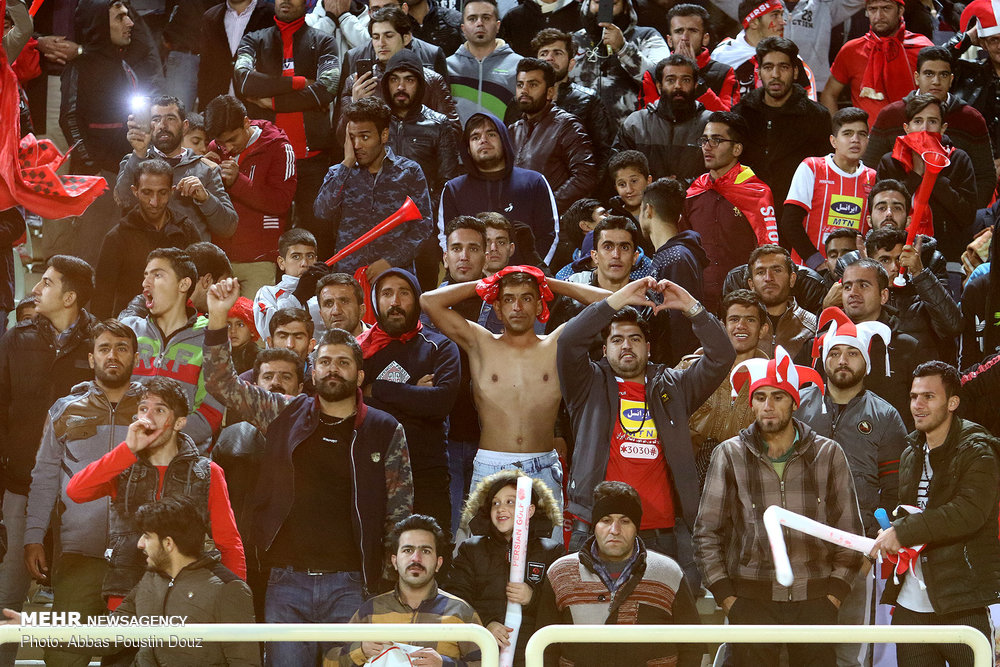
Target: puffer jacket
(961, 563)
(216, 216)
(668, 137)
(872, 435)
(80, 429)
(555, 145)
(481, 568)
(731, 546)
(203, 592)
(617, 78)
(257, 73)
(35, 370)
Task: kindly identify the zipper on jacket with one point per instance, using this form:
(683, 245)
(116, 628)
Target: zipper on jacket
(357, 511)
(166, 596)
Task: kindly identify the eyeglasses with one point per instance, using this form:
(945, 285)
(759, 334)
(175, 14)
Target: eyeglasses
(713, 141)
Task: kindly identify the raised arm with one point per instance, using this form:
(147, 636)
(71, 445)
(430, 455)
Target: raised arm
(438, 306)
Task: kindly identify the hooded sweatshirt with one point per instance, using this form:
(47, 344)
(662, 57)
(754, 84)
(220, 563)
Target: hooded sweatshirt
(486, 85)
(262, 194)
(520, 195)
(92, 115)
(427, 137)
(394, 371)
(682, 260)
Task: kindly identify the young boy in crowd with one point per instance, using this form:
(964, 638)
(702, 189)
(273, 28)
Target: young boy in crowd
(195, 137)
(243, 335)
(296, 253)
(480, 571)
(629, 171)
(829, 193)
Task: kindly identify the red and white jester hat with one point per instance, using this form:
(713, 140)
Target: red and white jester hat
(779, 372)
(843, 331)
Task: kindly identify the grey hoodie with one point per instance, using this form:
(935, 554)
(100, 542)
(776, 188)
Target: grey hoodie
(486, 85)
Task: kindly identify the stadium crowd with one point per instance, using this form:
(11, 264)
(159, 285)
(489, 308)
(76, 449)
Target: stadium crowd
(674, 262)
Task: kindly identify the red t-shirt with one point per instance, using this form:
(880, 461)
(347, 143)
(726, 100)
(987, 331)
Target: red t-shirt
(637, 457)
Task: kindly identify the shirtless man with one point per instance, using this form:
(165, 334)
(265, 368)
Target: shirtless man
(515, 383)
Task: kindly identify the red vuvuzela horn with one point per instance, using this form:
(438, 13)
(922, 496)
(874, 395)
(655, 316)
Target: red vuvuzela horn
(934, 163)
(408, 211)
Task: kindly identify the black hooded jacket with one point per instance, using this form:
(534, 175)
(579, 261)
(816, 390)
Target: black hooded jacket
(423, 135)
(97, 91)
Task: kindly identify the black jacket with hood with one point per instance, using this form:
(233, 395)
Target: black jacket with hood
(520, 195)
(481, 569)
(97, 91)
(680, 260)
(425, 136)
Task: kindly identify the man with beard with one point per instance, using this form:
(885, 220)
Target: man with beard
(417, 547)
(785, 125)
(667, 130)
(689, 36)
(199, 194)
(415, 130)
(413, 373)
(369, 185)
(557, 49)
(40, 361)
(949, 471)
(107, 402)
(549, 140)
(873, 437)
(879, 66)
(772, 276)
(644, 407)
(156, 460)
(334, 480)
(781, 461)
(170, 337)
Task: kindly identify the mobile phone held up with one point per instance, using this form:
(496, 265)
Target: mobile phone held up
(363, 66)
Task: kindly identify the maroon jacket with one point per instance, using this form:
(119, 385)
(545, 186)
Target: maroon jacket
(726, 235)
(262, 195)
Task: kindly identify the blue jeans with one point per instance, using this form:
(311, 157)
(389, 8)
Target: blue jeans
(294, 596)
(460, 456)
(182, 77)
(544, 467)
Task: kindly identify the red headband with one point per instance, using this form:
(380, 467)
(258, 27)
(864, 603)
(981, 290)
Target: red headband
(488, 289)
(761, 9)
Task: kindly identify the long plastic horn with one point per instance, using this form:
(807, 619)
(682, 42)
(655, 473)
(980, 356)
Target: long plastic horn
(408, 211)
(934, 162)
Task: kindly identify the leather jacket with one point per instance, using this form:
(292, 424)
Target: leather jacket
(584, 103)
(555, 145)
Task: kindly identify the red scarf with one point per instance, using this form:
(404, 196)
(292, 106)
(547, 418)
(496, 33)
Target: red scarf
(741, 188)
(920, 142)
(376, 338)
(488, 289)
(292, 123)
(888, 76)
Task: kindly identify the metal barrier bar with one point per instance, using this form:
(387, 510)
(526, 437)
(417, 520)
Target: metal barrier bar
(270, 632)
(982, 651)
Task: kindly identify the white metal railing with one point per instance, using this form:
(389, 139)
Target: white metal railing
(982, 651)
(622, 634)
(272, 632)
